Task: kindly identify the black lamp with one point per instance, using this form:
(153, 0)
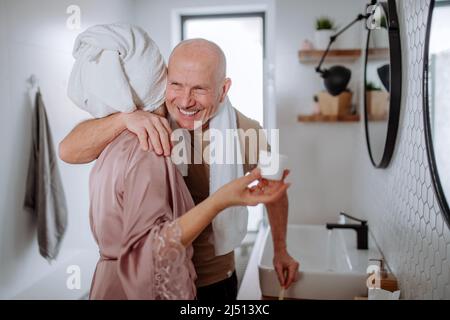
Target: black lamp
(384, 73)
(337, 78)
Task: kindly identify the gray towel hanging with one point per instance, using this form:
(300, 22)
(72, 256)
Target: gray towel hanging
(44, 195)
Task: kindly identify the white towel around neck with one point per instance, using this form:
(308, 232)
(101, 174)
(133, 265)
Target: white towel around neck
(230, 225)
(118, 68)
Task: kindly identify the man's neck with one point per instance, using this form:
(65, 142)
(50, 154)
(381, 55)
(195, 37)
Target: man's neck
(201, 129)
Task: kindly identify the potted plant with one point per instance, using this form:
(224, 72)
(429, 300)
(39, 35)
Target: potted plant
(380, 35)
(324, 30)
(377, 102)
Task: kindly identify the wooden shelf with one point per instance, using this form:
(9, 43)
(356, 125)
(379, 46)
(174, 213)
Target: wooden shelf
(379, 53)
(322, 118)
(377, 118)
(349, 55)
(309, 56)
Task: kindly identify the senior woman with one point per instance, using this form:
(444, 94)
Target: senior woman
(144, 222)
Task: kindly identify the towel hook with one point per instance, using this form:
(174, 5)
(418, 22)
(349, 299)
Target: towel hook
(33, 89)
(34, 82)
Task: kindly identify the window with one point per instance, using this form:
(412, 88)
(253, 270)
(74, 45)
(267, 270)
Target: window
(241, 37)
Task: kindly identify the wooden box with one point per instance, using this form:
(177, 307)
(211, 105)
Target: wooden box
(377, 104)
(335, 105)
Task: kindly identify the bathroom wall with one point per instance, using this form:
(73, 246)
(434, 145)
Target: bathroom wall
(321, 154)
(403, 212)
(34, 40)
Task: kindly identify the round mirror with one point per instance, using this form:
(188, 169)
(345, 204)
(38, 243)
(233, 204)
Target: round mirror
(382, 79)
(437, 100)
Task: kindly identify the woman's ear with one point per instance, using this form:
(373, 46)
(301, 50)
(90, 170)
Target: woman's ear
(225, 88)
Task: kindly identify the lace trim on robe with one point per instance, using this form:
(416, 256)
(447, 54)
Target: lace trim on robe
(174, 271)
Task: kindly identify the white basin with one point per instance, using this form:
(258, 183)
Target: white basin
(330, 265)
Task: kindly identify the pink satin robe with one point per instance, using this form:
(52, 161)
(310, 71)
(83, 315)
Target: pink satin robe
(135, 198)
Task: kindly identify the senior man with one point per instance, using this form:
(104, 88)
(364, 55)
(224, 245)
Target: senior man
(196, 87)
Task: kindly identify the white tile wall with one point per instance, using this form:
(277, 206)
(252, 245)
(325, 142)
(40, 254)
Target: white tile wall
(403, 213)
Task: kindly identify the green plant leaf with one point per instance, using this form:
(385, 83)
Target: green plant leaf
(324, 23)
(370, 86)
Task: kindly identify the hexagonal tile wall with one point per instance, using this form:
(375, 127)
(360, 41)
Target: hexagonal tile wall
(403, 213)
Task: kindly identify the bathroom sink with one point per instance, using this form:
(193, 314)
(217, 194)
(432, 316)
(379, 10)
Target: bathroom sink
(330, 265)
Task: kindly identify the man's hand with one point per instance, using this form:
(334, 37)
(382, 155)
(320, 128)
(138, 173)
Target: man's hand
(286, 268)
(88, 139)
(153, 131)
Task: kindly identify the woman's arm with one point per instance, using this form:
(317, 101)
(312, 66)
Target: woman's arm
(146, 199)
(154, 249)
(235, 193)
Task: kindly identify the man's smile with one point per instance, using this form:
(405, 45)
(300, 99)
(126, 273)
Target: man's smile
(188, 113)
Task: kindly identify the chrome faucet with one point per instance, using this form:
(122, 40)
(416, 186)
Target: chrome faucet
(361, 228)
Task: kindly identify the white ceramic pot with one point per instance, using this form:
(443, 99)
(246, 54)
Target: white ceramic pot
(322, 38)
(380, 38)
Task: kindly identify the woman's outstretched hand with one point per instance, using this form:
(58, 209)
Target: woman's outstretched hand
(238, 192)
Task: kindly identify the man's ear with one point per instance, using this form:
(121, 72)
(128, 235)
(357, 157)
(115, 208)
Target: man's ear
(225, 88)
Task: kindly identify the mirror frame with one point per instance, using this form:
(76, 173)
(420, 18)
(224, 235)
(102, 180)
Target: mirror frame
(436, 182)
(395, 59)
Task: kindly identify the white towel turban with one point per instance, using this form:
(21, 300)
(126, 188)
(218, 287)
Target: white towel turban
(118, 68)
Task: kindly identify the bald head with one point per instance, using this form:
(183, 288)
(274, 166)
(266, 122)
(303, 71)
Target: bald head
(202, 50)
(196, 82)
